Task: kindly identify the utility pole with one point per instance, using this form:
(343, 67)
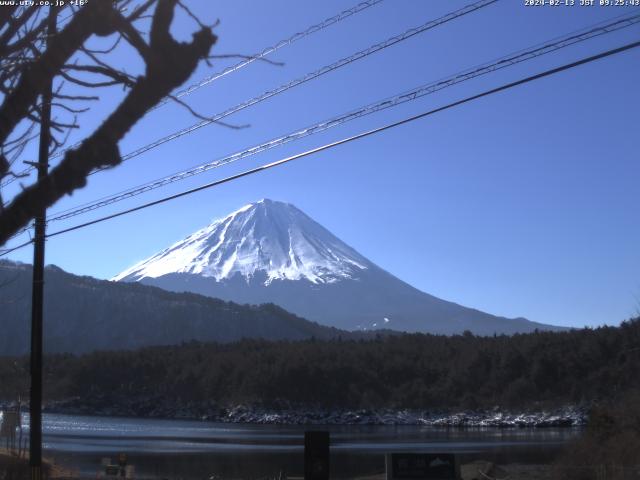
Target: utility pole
(35, 400)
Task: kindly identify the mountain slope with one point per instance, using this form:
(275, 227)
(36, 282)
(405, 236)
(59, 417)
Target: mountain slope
(270, 238)
(84, 314)
(272, 252)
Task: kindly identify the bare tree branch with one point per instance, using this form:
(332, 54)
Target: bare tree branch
(115, 75)
(248, 57)
(139, 12)
(188, 107)
(76, 97)
(169, 64)
(32, 82)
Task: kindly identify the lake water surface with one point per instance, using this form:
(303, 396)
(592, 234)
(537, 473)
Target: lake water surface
(198, 449)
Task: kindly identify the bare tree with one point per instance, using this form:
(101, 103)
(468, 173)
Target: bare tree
(29, 63)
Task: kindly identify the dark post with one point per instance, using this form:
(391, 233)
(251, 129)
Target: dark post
(316, 455)
(35, 400)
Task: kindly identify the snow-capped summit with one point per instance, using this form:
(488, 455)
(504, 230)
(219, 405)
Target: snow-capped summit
(266, 237)
(271, 252)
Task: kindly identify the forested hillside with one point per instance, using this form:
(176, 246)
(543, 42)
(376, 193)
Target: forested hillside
(412, 371)
(84, 314)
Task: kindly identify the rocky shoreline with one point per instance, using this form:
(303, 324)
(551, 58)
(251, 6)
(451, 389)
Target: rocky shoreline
(569, 416)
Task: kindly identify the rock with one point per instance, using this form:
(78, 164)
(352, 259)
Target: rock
(161, 407)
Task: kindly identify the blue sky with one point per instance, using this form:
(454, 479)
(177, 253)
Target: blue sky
(520, 204)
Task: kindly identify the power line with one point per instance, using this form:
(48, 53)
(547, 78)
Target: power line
(294, 83)
(233, 68)
(7, 251)
(486, 93)
(268, 50)
(407, 96)
(309, 76)
(507, 86)
(601, 28)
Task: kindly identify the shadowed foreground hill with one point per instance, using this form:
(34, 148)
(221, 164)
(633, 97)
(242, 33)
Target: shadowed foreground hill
(83, 314)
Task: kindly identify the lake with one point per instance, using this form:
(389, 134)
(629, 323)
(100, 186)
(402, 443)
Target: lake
(200, 449)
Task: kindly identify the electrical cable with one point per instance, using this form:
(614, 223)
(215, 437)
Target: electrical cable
(265, 52)
(268, 50)
(305, 78)
(407, 96)
(404, 121)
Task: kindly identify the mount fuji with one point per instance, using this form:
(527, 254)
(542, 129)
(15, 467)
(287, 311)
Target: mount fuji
(271, 252)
